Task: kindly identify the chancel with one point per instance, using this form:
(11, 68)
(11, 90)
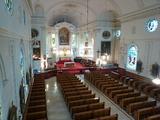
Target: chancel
(80, 60)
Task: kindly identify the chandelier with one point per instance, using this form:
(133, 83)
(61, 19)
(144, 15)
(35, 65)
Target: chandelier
(87, 23)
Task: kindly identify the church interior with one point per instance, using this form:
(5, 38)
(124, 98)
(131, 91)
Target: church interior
(79, 59)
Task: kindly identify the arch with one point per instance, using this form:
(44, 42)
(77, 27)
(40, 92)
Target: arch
(132, 55)
(73, 16)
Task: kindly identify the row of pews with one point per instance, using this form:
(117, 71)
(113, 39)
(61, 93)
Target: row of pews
(37, 108)
(127, 93)
(88, 63)
(81, 102)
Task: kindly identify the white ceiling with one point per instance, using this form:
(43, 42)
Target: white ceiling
(75, 11)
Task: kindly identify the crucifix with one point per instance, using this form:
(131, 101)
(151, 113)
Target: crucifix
(98, 52)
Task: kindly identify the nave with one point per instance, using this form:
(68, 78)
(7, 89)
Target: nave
(56, 107)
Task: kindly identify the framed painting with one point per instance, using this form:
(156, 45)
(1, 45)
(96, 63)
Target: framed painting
(63, 36)
(105, 47)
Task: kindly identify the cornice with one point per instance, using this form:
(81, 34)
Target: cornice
(7, 34)
(38, 20)
(97, 24)
(145, 12)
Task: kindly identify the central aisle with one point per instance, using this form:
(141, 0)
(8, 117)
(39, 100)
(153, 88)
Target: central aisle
(56, 107)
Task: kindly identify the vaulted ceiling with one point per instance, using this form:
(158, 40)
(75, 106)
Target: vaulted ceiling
(75, 11)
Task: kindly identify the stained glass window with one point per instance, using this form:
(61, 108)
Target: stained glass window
(9, 5)
(22, 62)
(132, 57)
(151, 25)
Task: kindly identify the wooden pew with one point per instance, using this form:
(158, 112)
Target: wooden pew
(103, 87)
(75, 93)
(137, 83)
(148, 89)
(146, 112)
(154, 92)
(33, 98)
(87, 107)
(70, 83)
(74, 89)
(125, 102)
(37, 115)
(74, 84)
(78, 97)
(119, 97)
(110, 89)
(111, 117)
(83, 102)
(139, 105)
(37, 108)
(120, 91)
(154, 117)
(100, 84)
(91, 114)
(37, 93)
(37, 102)
(143, 85)
(80, 85)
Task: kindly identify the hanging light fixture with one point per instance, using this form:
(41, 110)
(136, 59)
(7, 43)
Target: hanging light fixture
(87, 24)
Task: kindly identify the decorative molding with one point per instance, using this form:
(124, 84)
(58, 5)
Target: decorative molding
(98, 24)
(142, 39)
(146, 12)
(38, 20)
(6, 33)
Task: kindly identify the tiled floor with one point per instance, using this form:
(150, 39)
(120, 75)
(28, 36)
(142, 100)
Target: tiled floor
(56, 106)
(57, 109)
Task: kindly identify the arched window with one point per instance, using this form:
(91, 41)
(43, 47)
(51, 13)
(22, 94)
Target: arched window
(9, 5)
(132, 57)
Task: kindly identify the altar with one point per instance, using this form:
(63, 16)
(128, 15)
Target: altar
(69, 64)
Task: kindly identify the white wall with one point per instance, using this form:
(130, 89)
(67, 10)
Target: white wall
(148, 43)
(13, 30)
(96, 30)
